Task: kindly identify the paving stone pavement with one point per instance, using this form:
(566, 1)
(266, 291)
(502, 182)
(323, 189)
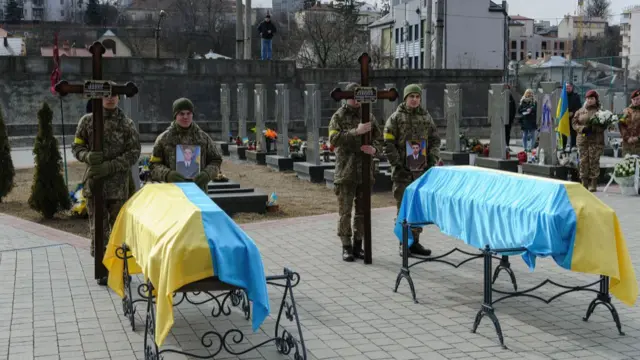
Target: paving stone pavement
(51, 308)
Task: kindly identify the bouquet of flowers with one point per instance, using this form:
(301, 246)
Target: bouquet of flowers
(625, 174)
(625, 168)
(295, 142)
(603, 118)
(270, 134)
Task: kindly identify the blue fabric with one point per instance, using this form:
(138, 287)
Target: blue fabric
(500, 209)
(266, 49)
(236, 259)
(527, 139)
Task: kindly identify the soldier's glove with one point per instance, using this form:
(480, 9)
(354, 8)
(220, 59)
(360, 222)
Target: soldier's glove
(174, 177)
(202, 180)
(94, 158)
(99, 171)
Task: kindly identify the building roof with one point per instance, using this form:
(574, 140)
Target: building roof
(47, 51)
(385, 20)
(558, 61)
(519, 18)
(14, 47)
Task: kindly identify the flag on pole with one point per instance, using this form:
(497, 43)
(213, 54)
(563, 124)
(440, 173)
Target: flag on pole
(55, 74)
(562, 115)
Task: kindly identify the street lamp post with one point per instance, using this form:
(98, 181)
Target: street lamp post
(163, 14)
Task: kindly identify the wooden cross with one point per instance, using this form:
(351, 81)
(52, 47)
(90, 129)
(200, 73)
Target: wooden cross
(366, 95)
(96, 89)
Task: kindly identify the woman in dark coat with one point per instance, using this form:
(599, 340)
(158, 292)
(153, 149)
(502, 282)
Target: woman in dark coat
(528, 123)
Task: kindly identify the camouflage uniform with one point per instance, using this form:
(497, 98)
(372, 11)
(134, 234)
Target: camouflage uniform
(348, 173)
(590, 145)
(163, 157)
(121, 150)
(407, 124)
(630, 127)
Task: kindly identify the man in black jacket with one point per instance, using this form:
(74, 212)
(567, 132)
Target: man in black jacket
(573, 104)
(266, 29)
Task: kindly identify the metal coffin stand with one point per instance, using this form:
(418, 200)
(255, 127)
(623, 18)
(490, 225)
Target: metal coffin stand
(229, 295)
(599, 287)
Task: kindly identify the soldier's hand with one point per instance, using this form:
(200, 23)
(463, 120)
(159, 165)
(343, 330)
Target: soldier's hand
(98, 171)
(202, 180)
(363, 128)
(94, 158)
(174, 177)
(368, 149)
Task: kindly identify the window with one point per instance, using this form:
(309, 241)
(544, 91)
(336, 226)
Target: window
(514, 55)
(544, 45)
(397, 62)
(522, 44)
(401, 62)
(61, 2)
(402, 39)
(562, 46)
(409, 33)
(537, 54)
(514, 44)
(417, 32)
(562, 54)
(415, 61)
(62, 13)
(521, 55)
(421, 59)
(397, 36)
(410, 62)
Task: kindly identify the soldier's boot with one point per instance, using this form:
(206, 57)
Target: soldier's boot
(416, 248)
(358, 253)
(347, 249)
(593, 185)
(585, 183)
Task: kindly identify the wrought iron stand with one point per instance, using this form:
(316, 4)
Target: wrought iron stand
(487, 308)
(228, 296)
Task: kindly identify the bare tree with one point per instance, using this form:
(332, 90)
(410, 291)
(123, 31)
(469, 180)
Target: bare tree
(380, 59)
(599, 9)
(199, 26)
(328, 40)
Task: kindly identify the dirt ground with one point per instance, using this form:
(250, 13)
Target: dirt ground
(295, 197)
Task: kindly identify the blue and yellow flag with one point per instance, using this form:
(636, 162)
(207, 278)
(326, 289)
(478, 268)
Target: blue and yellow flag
(562, 115)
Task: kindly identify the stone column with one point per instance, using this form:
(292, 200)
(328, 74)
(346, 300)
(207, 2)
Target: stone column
(242, 110)
(225, 111)
(498, 118)
(312, 122)
(453, 114)
(260, 111)
(282, 118)
(546, 110)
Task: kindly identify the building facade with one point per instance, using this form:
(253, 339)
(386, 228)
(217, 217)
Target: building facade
(48, 10)
(630, 31)
(571, 27)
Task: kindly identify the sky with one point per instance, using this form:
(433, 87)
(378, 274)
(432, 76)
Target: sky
(550, 10)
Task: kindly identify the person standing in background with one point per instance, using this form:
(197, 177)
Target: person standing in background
(266, 29)
(573, 105)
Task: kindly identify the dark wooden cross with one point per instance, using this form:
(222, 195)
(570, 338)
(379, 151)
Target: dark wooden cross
(365, 95)
(96, 89)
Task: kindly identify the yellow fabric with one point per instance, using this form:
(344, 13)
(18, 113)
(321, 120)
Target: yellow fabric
(164, 231)
(600, 247)
(333, 132)
(389, 137)
(78, 141)
(155, 159)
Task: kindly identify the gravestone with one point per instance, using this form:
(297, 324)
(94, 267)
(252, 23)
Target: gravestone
(131, 110)
(225, 114)
(282, 161)
(619, 102)
(312, 169)
(233, 199)
(453, 114)
(242, 103)
(259, 155)
(606, 100)
(498, 117)
(547, 98)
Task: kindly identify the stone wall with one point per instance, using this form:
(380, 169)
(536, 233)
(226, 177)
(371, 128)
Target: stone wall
(25, 81)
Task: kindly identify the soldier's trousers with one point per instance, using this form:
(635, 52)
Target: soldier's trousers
(631, 149)
(398, 192)
(589, 160)
(349, 195)
(110, 213)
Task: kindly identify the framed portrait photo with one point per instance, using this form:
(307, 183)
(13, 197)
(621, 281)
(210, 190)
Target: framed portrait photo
(188, 160)
(416, 155)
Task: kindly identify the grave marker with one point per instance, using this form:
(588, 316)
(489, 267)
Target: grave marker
(225, 114)
(498, 116)
(95, 89)
(453, 114)
(242, 104)
(260, 110)
(282, 161)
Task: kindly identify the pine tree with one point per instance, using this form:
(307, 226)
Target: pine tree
(93, 14)
(13, 12)
(7, 172)
(49, 194)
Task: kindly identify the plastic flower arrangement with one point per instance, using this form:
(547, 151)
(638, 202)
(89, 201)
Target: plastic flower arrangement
(295, 142)
(270, 134)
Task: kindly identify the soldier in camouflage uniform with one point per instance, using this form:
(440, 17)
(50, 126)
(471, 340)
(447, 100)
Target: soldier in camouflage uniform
(121, 150)
(410, 122)
(183, 131)
(345, 130)
(630, 126)
(590, 141)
